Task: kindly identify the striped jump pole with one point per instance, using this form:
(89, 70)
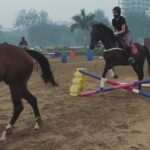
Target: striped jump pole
(116, 85)
(95, 76)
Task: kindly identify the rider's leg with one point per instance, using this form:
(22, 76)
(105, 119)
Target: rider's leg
(128, 42)
(120, 42)
(131, 56)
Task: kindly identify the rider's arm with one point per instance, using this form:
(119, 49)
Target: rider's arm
(123, 30)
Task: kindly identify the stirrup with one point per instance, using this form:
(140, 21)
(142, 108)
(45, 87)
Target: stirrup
(131, 60)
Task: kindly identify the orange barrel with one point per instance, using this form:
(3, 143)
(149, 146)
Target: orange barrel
(72, 53)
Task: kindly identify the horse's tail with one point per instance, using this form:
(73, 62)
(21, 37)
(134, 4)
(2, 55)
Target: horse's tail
(148, 58)
(47, 74)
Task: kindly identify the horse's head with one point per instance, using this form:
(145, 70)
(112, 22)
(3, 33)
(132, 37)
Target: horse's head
(95, 35)
(101, 32)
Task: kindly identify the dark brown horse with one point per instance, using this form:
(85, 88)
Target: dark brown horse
(16, 66)
(114, 55)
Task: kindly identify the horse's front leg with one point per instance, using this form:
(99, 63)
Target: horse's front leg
(102, 82)
(38, 123)
(31, 99)
(6, 132)
(18, 107)
(140, 73)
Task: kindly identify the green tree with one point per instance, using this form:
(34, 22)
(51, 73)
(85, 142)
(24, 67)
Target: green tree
(82, 21)
(50, 34)
(138, 24)
(43, 17)
(26, 19)
(82, 25)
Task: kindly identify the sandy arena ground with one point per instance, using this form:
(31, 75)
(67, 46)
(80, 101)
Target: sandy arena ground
(117, 120)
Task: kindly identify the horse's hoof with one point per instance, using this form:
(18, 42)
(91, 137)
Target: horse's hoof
(55, 84)
(9, 132)
(101, 89)
(2, 145)
(115, 76)
(36, 128)
(38, 124)
(3, 139)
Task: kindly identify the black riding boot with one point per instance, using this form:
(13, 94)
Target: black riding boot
(131, 57)
(131, 60)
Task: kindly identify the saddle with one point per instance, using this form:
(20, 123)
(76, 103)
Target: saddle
(132, 49)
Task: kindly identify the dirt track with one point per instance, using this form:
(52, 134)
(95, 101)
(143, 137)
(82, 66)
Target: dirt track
(119, 120)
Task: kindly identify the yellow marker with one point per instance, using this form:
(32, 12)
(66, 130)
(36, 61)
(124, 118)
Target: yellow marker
(78, 83)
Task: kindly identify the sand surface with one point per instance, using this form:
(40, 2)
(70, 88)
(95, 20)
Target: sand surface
(118, 120)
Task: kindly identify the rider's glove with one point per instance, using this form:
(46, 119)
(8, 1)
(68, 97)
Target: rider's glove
(116, 33)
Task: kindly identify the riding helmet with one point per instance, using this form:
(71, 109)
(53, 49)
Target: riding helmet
(116, 12)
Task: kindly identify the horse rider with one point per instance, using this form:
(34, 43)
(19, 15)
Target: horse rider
(23, 43)
(121, 31)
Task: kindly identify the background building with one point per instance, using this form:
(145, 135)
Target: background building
(135, 5)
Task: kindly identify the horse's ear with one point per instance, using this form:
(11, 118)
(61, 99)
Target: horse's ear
(95, 24)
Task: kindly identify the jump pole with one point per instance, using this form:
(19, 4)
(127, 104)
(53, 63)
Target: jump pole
(116, 85)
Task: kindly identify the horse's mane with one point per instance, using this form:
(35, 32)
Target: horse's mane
(107, 30)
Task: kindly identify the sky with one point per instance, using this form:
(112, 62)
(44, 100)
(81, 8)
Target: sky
(58, 10)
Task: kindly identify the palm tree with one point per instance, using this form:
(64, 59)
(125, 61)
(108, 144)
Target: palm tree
(82, 21)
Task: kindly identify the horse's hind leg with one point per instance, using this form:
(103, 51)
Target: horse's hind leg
(18, 107)
(112, 73)
(102, 82)
(33, 102)
(140, 73)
